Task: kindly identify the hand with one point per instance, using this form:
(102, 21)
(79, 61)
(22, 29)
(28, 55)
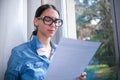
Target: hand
(82, 76)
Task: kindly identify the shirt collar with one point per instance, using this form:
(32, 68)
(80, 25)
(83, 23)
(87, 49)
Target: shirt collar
(36, 44)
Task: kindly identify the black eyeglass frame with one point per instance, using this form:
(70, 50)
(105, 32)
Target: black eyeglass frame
(53, 21)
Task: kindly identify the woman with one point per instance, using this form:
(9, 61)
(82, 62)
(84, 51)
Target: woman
(30, 60)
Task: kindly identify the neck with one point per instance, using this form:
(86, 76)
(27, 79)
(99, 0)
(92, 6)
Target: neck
(44, 40)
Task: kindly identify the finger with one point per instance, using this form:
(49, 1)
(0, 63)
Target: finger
(83, 74)
(82, 78)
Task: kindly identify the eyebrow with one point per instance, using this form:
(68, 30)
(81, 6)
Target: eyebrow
(41, 17)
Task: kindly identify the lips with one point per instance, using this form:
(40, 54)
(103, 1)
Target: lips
(51, 31)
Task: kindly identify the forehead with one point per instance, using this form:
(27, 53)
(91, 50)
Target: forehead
(50, 12)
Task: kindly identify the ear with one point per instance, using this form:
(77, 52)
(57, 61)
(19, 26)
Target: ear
(35, 22)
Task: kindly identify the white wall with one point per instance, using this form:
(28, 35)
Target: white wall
(16, 24)
(32, 5)
(12, 29)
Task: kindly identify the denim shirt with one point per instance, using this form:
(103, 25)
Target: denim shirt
(25, 63)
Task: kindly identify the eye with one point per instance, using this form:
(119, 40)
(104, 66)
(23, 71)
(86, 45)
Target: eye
(58, 22)
(48, 19)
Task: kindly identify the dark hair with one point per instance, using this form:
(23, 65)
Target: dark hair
(40, 10)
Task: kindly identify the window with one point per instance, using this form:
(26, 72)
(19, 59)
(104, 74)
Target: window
(94, 23)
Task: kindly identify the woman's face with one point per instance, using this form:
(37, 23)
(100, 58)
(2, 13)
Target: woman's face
(44, 29)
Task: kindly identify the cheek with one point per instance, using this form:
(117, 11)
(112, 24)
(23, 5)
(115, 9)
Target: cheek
(42, 28)
(40, 25)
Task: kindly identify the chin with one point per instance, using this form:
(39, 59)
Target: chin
(50, 35)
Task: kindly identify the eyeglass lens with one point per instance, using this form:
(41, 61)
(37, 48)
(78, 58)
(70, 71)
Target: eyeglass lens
(48, 21)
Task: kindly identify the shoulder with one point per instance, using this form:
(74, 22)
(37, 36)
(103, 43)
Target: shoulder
(21, 47)
(18, 50)
(19, 54)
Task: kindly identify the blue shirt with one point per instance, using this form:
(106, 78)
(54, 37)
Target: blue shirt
(26, 64)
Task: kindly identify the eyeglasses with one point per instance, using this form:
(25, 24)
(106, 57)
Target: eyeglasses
(48, 21)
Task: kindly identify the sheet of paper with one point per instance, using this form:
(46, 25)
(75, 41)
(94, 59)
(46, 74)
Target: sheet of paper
(71, 58)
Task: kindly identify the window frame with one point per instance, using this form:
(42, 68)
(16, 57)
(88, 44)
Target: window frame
(116, 22)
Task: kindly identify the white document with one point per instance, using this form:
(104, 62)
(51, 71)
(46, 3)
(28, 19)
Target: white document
(71, 58)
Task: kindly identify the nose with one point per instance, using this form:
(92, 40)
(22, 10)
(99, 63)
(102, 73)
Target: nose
(53, 25)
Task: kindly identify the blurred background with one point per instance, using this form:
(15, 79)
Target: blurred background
(91, 20)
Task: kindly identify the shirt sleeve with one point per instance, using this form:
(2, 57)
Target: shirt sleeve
(13, 67)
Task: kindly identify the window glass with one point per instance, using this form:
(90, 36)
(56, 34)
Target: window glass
(94, 23)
